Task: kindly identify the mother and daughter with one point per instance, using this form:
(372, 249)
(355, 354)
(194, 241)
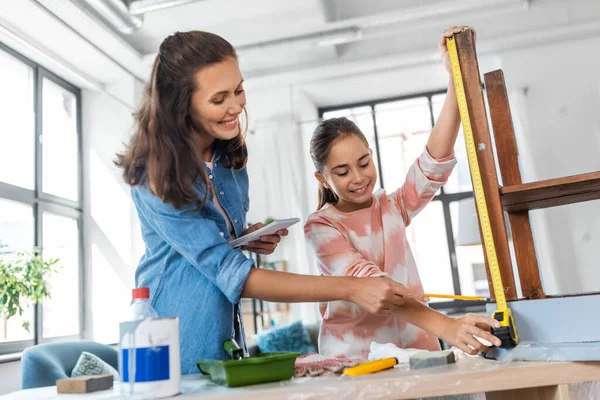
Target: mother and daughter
(185, 164)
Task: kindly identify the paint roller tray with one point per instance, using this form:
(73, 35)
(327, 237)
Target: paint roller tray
(263, 368)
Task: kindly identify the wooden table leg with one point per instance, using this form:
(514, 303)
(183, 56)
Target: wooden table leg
(558, 392)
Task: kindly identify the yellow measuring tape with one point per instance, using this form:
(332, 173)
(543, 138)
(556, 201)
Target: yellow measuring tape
(507, 332)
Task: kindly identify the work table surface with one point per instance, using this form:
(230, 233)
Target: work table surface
(466, 376)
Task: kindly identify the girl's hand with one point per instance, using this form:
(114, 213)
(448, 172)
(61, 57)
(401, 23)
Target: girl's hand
(267, 244)
(461, 331)
(442, 44)
(380, 295)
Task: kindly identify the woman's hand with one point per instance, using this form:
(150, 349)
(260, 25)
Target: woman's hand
(380, 295)
(461, 333)
(442, 44)
(267, 244)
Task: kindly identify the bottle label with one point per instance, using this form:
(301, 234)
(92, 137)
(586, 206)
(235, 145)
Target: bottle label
(149, 357)
(151, 363)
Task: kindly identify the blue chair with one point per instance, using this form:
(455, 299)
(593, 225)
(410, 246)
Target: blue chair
(43, 364)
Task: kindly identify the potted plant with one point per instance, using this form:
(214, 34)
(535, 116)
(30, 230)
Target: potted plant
(24, 281)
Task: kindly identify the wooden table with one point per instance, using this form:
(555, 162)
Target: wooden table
(513, 381)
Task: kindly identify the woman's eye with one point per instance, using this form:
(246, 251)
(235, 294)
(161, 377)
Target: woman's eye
(364, 165)
(343, 173)
(237, 92)
(218, 101)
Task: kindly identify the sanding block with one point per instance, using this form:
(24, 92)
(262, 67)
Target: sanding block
(427, 359)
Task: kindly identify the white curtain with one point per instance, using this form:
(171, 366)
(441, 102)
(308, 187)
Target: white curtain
(278, 189)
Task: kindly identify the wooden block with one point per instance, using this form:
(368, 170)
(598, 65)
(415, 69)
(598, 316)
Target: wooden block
(427, 359)
(84, 384)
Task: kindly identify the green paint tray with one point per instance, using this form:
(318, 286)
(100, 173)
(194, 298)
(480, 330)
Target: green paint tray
(266, 367)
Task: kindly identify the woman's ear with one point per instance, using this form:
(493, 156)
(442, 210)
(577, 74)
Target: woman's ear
(321, 179)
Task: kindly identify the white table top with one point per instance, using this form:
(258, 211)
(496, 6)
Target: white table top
(467, 376)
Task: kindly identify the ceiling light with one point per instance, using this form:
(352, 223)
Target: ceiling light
(339, 36)
(323, 38)
(115, 13)
(137, 7)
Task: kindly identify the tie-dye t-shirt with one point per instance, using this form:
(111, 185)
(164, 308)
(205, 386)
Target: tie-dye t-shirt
(368, 243)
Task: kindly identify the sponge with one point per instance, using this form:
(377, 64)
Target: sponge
(427, 359)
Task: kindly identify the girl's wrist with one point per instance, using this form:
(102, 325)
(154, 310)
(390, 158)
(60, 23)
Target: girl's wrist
(446, 327)
(450, 82)
(348, 288)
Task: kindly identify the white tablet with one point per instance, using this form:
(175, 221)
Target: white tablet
(270, 229)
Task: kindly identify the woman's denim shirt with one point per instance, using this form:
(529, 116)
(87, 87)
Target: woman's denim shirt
(191, 270)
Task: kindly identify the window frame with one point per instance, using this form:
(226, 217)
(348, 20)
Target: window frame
(43, 202)
(452, 306)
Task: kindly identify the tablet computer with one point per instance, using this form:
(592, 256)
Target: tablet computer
(270, 229)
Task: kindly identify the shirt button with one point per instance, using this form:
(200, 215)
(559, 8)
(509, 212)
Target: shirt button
(235, 220)
(210, 176)
(221, 193)
(221, 233)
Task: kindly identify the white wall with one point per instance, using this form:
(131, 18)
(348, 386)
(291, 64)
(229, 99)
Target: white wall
(111, 230)
(10, 377)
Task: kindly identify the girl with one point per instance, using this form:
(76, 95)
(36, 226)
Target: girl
(186, 166)
(356, 232)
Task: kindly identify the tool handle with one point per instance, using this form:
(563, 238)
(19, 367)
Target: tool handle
(371, 366)
(233, 349)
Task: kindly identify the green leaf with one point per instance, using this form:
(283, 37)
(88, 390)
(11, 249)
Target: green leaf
(24, 280)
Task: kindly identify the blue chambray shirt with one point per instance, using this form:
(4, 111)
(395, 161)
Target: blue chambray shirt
(191, 270)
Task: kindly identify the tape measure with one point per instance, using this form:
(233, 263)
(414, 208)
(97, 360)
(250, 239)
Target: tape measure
(507, 332)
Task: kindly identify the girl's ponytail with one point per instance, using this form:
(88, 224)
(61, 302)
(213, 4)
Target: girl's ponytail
(326, 196)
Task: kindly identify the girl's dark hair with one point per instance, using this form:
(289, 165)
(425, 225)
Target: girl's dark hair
(323, 138)
(161, 150)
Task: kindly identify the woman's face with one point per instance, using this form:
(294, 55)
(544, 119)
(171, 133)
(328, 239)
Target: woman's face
(218, 100)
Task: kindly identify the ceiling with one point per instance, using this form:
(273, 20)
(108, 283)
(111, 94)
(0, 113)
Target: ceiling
(266, 32)
(306, 40)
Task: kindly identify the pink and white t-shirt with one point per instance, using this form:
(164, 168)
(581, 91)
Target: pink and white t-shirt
(372, 242)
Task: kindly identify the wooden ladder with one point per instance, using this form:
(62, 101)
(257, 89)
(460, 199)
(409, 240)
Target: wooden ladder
(515, 197)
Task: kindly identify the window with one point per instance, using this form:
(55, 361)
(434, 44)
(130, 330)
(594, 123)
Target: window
(40, 193)
(398, 130)
(17, 122)
(16, 233)
(59, 150)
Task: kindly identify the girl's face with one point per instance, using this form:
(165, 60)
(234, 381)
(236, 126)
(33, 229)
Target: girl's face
(218, 100)
(350, 173)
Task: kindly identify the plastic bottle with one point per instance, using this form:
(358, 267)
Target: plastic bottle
(140, 306)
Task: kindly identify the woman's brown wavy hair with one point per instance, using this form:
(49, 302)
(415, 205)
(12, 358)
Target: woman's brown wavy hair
(161, 151)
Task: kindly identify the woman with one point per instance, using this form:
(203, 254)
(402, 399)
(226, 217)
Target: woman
(186, 166)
